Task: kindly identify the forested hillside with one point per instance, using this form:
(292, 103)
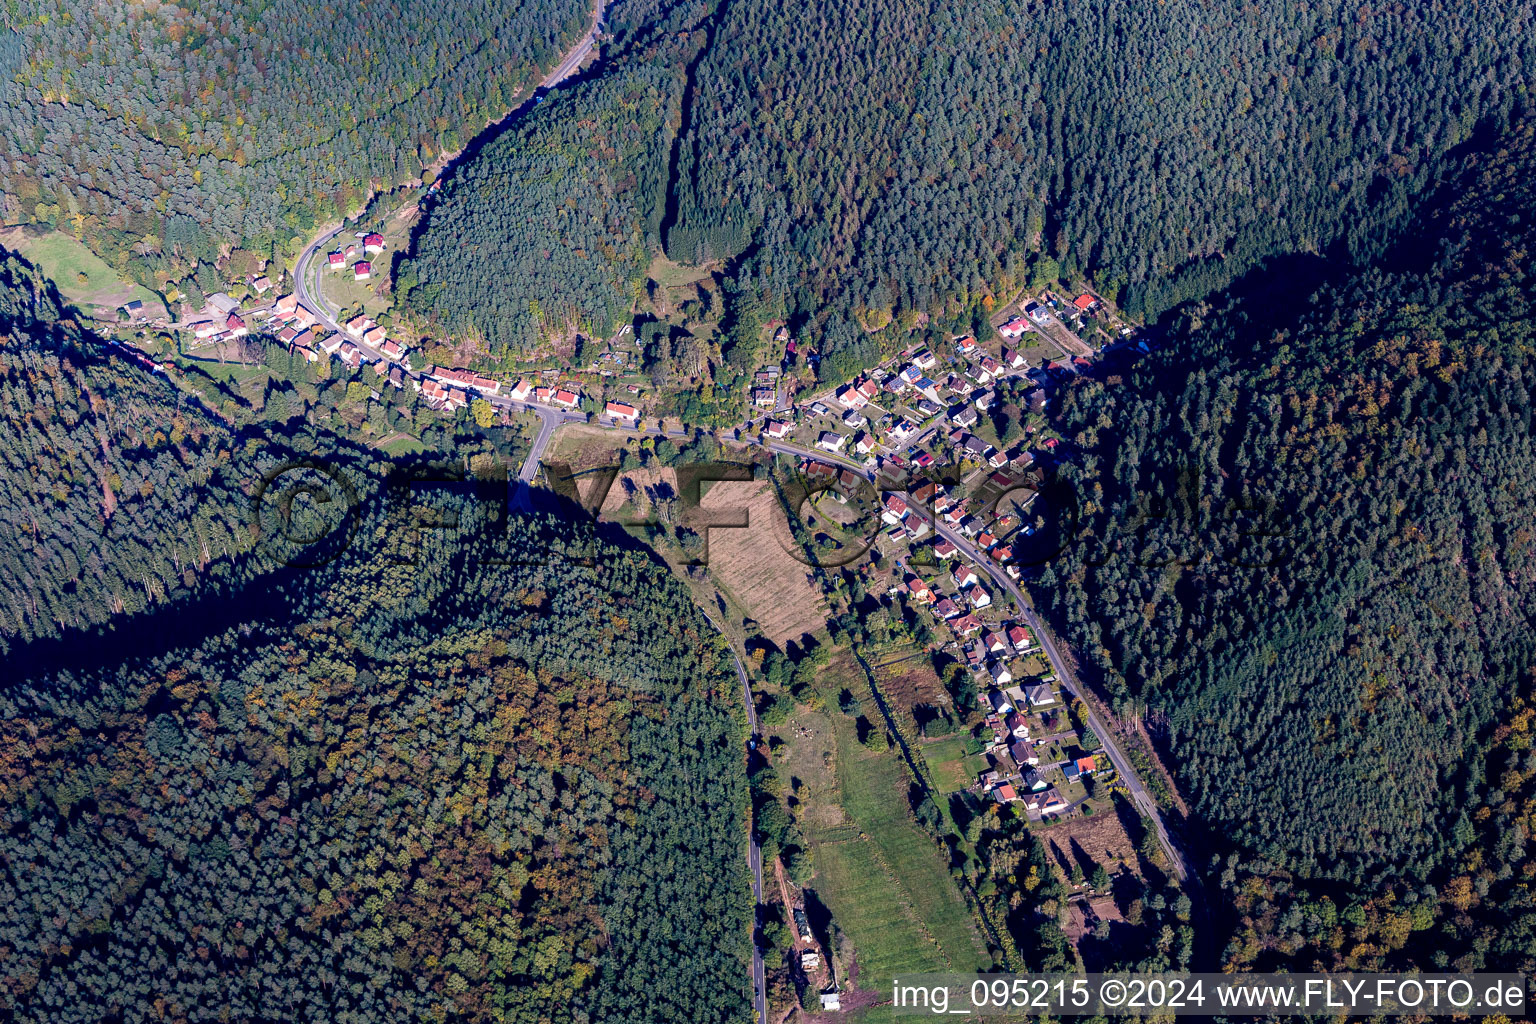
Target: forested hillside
(116, 492)
(551, 226)
(455, 792)
(1306, 556)
(857, 162)
(170, 130)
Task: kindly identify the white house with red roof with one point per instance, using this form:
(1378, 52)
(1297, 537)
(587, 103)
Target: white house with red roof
(852, 397)
(336, 261)
(374, 336)
(1015, 328)
(620, 411)
(521, 391)
(236, 326)
(373, 243)
(362, 270)
(776, 428)
(566, 399)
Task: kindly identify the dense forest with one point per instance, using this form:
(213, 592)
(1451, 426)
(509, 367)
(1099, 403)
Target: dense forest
(117, 492)
(354, 767)
(854, 165)
(1306, 559)
(166, 132)
(554, 222)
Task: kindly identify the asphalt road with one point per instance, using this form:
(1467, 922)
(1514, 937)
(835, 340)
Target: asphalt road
(1069, 682)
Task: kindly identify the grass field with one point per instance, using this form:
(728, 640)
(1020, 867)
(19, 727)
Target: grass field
(950, 763)
(63, 260)
(668, 274)
(880, 874)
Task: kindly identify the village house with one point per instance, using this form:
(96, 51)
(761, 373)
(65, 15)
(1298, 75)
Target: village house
(286, 335)
(895, 510)
(966, 624)
(965, 345)
(944, 549)
(991, 365)
(374, 337)
(999, 701)
(1085, 302)
(863, 444)
(373, 243)
(565, 399)
(392, 350)
(924, 359)
(521, 391)
(993, 644)
(830, 441)
(1016, 726)
(261, 285)
(777, 429)
(362, 270)
(397, 377)
(852, 397)
(1012, 358)
(1040, 694)
(983, 400)
(359, 325)
(351, 355)
(620, 411)
(285, 305)
(854, 419)
(331, 344)
(946, 609)
(309, 354)
(336, 261)
(918, 589)
(1014, 328)
(1000, 674)
(965, 416)
(964, 576)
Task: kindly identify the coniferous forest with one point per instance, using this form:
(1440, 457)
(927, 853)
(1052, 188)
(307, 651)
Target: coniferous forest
(167, 133)
(854, 165)
(1304, 556)
(492, 774)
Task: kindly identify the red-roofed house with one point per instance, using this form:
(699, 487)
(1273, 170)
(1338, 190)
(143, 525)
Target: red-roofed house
(944, 549)
(374, 336)
(852, 397)
(620, 411)
(1087, 764)
(336, 261)
(946, 609)
(285, 305)
(392, 350)
(1014, 328)
(521, 392)
(868, 388)
(236, 326)
(919, 589)
(965, 625)
(359, 325)
(1085, 301)
(362, 270)
(1012, 358)
(373, 243)
(964, 577)
(567, 399)
(776, 428)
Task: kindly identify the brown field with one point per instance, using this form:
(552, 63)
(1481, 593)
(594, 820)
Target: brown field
(907, 679)
(1100, 836)
(1083, 914)
(753, 566)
